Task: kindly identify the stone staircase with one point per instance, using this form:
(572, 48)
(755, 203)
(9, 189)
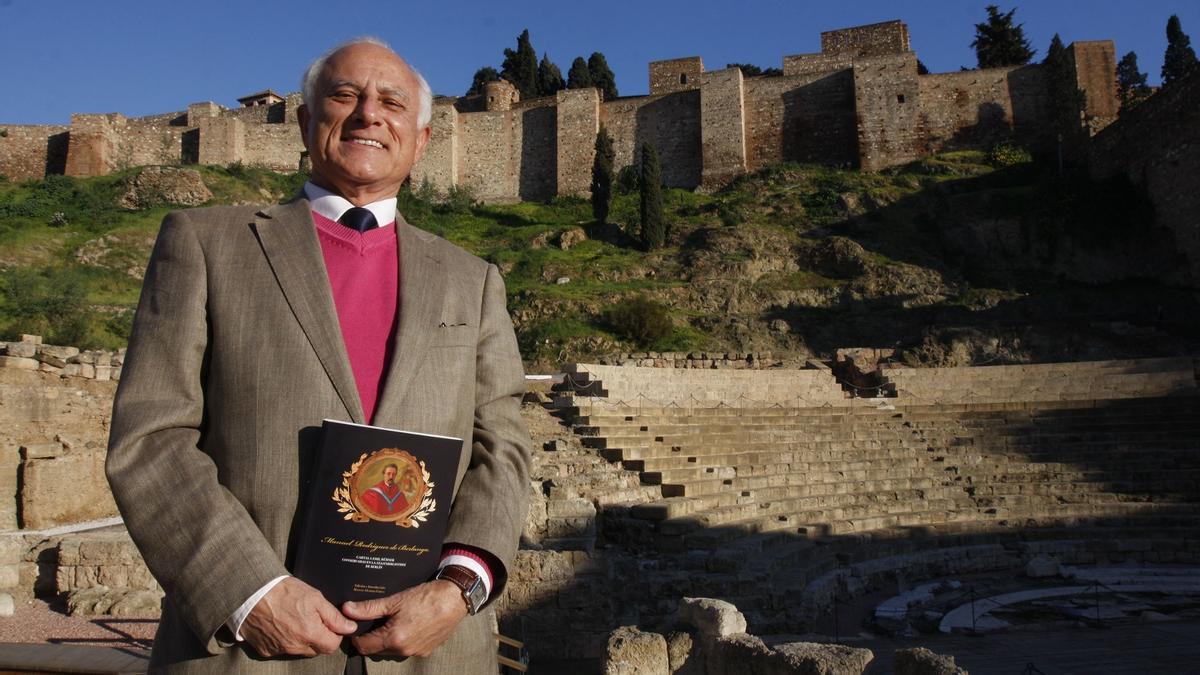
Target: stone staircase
(775, 506)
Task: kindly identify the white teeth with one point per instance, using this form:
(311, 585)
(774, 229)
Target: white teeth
(365, 141)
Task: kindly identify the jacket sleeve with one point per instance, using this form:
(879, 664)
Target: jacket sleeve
(195, 536)
(497, 478)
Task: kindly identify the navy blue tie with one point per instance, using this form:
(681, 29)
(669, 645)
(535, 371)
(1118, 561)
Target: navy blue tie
(358, 218)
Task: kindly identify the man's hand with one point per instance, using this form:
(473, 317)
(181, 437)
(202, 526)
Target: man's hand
(421, 619)
(294, 619)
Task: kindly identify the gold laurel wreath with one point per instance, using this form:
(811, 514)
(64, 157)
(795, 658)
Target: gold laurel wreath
(341, 497)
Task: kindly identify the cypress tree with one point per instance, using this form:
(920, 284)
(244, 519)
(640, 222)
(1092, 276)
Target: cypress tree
(482, 76)
(1131, 82)
(579, 77)
(654, 229)
(602, 176)
(1066, 100)
(999, 43)
(520, 67)
(1180, 58)
(602, 76)
(549, 77)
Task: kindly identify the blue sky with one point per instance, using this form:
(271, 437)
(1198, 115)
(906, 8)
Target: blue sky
(141, 57)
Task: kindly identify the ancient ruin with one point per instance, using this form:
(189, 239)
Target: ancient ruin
(859, 102)
(752, 481)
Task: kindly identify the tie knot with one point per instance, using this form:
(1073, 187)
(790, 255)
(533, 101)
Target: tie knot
(358, 218)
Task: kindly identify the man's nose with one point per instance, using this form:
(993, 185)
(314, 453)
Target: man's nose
(367, 110)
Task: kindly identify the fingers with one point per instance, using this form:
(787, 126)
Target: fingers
(422, 618)
(294, 619)
(370, 609)
(335, 621)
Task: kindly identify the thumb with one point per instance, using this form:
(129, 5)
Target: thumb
(368, 609)
(335, 621)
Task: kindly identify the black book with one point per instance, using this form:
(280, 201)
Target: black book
(379, 501)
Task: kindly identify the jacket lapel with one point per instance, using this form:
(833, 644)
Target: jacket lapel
(422, 288)
(289, 240)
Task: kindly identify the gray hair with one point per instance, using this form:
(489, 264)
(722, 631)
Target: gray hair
(308, 82)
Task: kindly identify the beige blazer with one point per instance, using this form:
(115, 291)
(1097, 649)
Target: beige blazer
(235, 358)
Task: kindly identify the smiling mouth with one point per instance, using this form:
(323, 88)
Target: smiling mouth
(367, 142)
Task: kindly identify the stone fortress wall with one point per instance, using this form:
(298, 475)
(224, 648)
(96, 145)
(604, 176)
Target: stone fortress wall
(859, 102)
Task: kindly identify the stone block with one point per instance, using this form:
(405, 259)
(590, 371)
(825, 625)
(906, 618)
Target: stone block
(22, 349)
(570, 508)
(42, 450)
(921, 661)
(10, 576)
(30, 339)
(7, 606)
(629, 651)
(18, 362)
(67, 489)
(1042, 566)
(712, 618)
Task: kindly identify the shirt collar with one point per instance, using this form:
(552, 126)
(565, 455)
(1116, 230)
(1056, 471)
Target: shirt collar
(333, 206)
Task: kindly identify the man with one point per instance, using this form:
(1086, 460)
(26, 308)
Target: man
(385, 497)
(256, 324)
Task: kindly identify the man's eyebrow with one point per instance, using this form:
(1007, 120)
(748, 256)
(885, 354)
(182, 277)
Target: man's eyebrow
(338, 84)
(398, 92)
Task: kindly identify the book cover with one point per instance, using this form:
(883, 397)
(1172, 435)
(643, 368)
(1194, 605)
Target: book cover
(379, 501)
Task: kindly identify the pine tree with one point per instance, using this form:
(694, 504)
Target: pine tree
(602, 76)
(1180, 58)
(549, 77)
(520, 67)
(602, 176)
(579, 77)
(482, 76)
(654, 229)
(1131, 82)
(999, 43)
(748, 69)
(1066, 100)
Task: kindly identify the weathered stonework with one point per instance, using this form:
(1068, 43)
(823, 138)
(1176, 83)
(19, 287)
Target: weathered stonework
(858, 103)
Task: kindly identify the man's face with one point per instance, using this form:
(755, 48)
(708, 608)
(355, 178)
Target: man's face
(361, 133)
(389, 475)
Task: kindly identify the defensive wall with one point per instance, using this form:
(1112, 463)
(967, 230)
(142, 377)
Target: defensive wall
(859, 102)
(1155, 146)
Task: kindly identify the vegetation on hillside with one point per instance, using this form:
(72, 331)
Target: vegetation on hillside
(965, 257)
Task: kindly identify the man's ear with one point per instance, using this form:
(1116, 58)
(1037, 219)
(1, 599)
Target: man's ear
(302, 117)
(422, 141)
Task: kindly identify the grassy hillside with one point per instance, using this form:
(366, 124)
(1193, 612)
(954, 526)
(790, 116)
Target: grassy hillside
(950, 259)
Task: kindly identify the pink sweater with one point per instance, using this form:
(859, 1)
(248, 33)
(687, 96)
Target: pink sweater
(365, 277)
(364, 274)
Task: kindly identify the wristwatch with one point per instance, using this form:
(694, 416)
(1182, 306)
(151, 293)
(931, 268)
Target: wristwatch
(473, 591)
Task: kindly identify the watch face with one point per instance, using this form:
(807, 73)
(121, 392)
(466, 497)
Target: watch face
(476, 595)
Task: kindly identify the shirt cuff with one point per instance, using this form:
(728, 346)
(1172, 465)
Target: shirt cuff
(235, 620)
(475, 563)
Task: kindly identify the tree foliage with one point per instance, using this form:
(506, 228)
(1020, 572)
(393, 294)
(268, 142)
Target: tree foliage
(579, 77)
(1131, 82)
(751, 70)
(1066, 100)
(1180, 58)
(602, 176)
(482, 76)
(602, 76)
(520, 67)
(654, 228)
(549, 77)
(640, 320)
(998, 42)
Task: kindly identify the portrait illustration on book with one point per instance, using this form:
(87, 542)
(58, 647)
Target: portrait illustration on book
(389, 486)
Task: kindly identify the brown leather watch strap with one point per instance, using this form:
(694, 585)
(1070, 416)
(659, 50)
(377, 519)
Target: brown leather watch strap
(464, 578)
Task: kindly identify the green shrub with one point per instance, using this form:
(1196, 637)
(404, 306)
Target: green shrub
(1008, 154)
(640, 320)
(629, 179)
(460, 199)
